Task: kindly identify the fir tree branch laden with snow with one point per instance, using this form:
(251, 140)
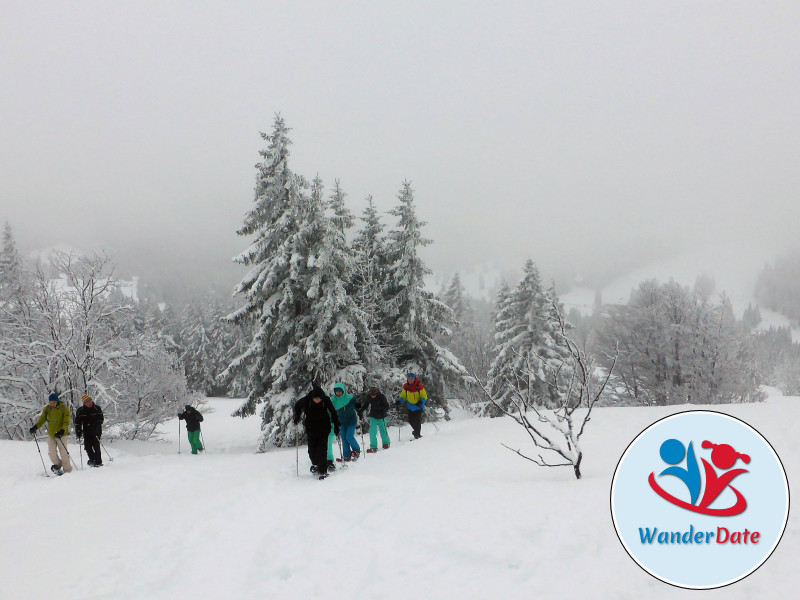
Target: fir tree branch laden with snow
(554, 426)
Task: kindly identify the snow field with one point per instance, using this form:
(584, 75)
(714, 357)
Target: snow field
(454, 515)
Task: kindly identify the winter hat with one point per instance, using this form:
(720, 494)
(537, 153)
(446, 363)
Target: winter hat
(53, 398)
(411, 376)
(372, 390)
(86, 398)
(188, 407)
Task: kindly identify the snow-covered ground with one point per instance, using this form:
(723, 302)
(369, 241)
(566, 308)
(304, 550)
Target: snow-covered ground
(454, 515)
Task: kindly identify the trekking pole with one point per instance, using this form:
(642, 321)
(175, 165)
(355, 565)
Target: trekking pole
(46, 474)
(81, 449)
(69, 456)
(363, 447)
(179, 436)
(432, 422)
(341, 452)
(296, 453)
(203, 440)
(110, 458)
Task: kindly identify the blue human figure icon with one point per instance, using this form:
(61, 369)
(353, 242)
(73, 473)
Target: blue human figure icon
(672, 453)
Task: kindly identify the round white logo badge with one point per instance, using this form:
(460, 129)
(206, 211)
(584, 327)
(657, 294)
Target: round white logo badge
(700, 499)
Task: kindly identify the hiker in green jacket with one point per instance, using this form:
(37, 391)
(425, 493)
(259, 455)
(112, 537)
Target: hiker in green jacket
(56, 413)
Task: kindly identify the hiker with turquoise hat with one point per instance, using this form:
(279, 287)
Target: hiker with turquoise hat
(56, 413)
(345, 406)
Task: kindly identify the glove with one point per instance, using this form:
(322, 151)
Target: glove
(59, 434)
(296, 421)
(77, 436)
(32, 430)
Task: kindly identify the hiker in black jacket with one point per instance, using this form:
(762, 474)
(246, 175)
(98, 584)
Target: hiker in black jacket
(89, 424)
(318, 414)
(378, 407)
(193, 418)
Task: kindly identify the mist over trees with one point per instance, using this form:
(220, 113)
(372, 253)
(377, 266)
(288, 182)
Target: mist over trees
(778, 287)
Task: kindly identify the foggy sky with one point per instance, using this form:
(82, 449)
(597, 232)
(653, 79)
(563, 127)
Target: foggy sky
(573, 133)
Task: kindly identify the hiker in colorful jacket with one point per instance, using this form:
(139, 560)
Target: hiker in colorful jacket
(378, 407)
(89, 424)
(414, 397)
(193, 418)
(346, 409)
(320, 419)
(56, 413)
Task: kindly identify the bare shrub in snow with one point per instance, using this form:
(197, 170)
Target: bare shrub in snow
(554, 429)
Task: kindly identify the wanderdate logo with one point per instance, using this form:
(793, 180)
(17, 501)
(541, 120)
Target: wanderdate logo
(723, 456)
(700, 499)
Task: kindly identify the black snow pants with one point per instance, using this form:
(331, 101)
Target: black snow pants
(92, 445)
(318, 450)
(415, 420)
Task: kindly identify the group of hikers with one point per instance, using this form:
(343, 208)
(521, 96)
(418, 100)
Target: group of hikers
(88, 424)
(324, 417)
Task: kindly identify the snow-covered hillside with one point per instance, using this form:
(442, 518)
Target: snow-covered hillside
(454, 515)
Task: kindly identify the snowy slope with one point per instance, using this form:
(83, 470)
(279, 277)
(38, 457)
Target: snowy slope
(454, 515)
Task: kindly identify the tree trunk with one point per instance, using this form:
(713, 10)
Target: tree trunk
(577, 465)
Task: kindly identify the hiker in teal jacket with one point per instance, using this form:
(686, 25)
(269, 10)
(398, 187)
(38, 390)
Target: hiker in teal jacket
(345, 406)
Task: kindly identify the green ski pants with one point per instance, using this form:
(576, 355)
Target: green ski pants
(374, 426)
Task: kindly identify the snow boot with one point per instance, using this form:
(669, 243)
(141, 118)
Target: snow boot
(355, 455)
(323, 476)
(331, 465)
(57, 470)
(371, 450)
(386, 446)
(90, 463)
(314, 469)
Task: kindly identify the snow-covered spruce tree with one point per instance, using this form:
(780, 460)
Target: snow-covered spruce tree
(309, 329)
(272, 298)
(369, 283)
(527, 332)
(414, 317)
(557, 429)
(341, 218)
(201, 356)
(10, 265)
(461, 339)
(455, 298)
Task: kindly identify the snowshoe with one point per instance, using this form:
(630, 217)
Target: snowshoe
(331, 465)
(97, 465)
(371, 450)
(323, 476)
(57, 470)
(355, 455)
(314, 469)
(90, 463)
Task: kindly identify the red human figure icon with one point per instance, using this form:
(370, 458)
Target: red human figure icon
(724, 457)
